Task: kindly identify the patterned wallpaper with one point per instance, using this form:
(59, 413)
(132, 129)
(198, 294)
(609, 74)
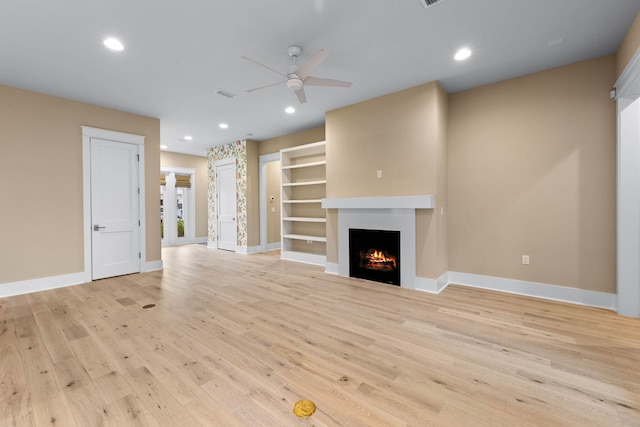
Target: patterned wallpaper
(237, 149)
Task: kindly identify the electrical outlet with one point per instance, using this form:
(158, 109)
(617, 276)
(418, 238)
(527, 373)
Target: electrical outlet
(525, 259)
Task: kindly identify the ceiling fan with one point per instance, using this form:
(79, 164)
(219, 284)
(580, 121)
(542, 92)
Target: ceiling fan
(298, 76)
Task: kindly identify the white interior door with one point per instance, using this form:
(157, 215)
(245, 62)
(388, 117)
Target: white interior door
(115, 209)
(226, 197)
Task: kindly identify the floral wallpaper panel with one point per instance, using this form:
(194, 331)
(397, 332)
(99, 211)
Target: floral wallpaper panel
(237, 149)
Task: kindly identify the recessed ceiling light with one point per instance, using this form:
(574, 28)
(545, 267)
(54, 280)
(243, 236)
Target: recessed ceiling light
(113, 44)
(462, 54)
(223, 125)
(163, 147)
(188, 138)
(289, 110)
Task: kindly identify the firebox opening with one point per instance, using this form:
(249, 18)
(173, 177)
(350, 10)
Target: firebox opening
(375, 255)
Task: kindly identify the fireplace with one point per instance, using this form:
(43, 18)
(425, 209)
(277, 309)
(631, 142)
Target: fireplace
(375, 255)
(379, 213)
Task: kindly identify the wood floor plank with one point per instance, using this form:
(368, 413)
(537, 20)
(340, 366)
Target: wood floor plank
(236, 340)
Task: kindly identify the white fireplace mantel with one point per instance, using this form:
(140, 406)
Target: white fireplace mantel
(380, 213)
(392, 202)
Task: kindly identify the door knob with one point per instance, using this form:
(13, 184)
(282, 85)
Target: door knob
(97, 228)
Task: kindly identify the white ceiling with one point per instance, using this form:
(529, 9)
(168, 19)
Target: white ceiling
(179, 52)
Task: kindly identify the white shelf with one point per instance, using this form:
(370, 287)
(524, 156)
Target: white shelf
(305, 165)
(303, 237)
(297, 184)
(304, 219)
(303, 201)
(306, 150)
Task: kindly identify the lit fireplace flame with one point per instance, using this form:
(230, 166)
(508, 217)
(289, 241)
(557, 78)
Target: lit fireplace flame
(375, 259)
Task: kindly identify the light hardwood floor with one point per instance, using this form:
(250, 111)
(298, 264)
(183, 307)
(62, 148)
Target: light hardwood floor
(236, 340)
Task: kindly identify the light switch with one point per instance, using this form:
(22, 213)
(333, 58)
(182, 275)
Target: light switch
(379, 173)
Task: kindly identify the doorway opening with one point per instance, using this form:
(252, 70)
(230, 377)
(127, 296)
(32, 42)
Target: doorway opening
(177, 206)
(270, 233)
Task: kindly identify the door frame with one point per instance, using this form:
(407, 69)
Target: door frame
(87, 134)
(627, 94)
(263, 160)
(190, 230)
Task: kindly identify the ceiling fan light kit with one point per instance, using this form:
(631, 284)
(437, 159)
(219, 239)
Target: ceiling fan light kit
(298, 77)
(294, 83)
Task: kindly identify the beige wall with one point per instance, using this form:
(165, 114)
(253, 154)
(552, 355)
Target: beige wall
(431, 224)
(41, 160)
(404, 135)
(199, 164)
(532, 170)
(629, 45)
(273, 189)
(392, 133)
(274, 145)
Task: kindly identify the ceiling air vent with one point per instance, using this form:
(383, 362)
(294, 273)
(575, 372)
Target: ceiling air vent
(226, 94)
(428, 3)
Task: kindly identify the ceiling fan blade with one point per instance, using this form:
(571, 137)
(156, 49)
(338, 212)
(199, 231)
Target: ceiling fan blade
(317, 81)
(301, 96)
(264, 87)
(311, 64)
(264, 66)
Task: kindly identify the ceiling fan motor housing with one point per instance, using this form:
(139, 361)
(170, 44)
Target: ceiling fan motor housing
(294, 83)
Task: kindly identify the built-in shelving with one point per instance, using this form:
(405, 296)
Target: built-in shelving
(303, 186)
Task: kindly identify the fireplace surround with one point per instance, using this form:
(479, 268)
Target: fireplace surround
(380, 213)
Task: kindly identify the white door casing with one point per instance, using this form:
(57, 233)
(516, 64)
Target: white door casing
(102, 151)
(627, 91)
(227, 232)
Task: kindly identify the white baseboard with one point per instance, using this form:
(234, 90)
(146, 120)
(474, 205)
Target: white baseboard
(538, 290)
(254, 250)
(304, 257)
(41, 284)
(433, 286)
(250, 250)
(273, 246)
(152, 266)
(55, 282)
(199, 240)
(331, 268)
(212, 245)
